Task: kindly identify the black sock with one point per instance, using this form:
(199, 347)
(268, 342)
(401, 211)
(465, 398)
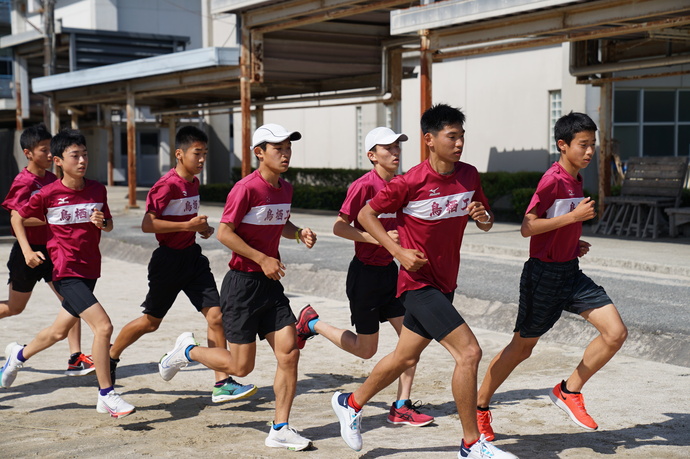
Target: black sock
(483, 409)
(566, 390)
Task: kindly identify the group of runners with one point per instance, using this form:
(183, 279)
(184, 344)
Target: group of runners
(417, 219)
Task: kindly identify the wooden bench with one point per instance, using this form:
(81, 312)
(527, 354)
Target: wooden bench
(677, 216)
(651, 184)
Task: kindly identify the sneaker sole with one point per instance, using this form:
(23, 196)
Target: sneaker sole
(559, 403)
(288, 446)
(413, 424)
(79, 372)
(114, 415)
(229, 398)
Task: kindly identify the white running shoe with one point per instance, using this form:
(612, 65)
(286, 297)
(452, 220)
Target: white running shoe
(350, 423)
(175, 360)
(286, 437)
(483, 449)
(113, 404)
(8, 372)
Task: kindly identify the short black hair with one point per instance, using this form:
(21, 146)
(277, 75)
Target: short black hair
(568, 125)
(33, 135)
(439, 116)
(64, 139)
(187, 135)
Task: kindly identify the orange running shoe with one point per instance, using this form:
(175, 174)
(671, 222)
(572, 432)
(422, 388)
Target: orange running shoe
(574, 405)
(484, 423)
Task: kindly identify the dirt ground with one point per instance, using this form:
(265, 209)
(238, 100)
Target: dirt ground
(643, 407)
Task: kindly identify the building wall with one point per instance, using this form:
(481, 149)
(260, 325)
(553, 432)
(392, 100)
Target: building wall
(88, 14)
(329, 135)
(165, 17)
(505, 98)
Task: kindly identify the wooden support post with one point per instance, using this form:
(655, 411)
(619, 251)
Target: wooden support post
(131, 151)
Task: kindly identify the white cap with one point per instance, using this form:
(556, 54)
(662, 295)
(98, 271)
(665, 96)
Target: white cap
(382, 136)
(273, 133)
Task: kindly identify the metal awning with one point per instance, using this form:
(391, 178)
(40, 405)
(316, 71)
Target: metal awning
(200, 70)
(610, 35)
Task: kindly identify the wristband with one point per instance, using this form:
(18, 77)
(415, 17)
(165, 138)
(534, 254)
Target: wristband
(297, 234)
(105, 223)
(486, 222)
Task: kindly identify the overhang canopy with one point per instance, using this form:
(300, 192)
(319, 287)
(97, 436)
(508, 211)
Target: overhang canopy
(183, 74)
(611, 35)
(316, 47)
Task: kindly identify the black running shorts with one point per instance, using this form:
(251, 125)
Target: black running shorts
(23, 278)
(372, 294)
(430, 313)
(77, 294)
(548, 289)
(252, 304)
(172, 271)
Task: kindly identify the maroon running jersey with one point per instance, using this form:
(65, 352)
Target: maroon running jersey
(358, 195)
(432, 216)
(72, 238)
(174, 199)
(557, 194)
(25, 185)
(259, 212)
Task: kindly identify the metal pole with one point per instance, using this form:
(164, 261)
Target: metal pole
(425, 63)
(48, 56)
(245, 100)
(131, 151)
(171, 141)
(108, 122)
(605, 128)
(18, 110)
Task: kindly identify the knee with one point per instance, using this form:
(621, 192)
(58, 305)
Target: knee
(59, 335)
(523, 352)
(151, 327)
(408, 362)
(104, 329)
(472, 354)
(243, 370)
(289, 359)
(366, 352)
(214, 318)
(14, 310)
(616, 338)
